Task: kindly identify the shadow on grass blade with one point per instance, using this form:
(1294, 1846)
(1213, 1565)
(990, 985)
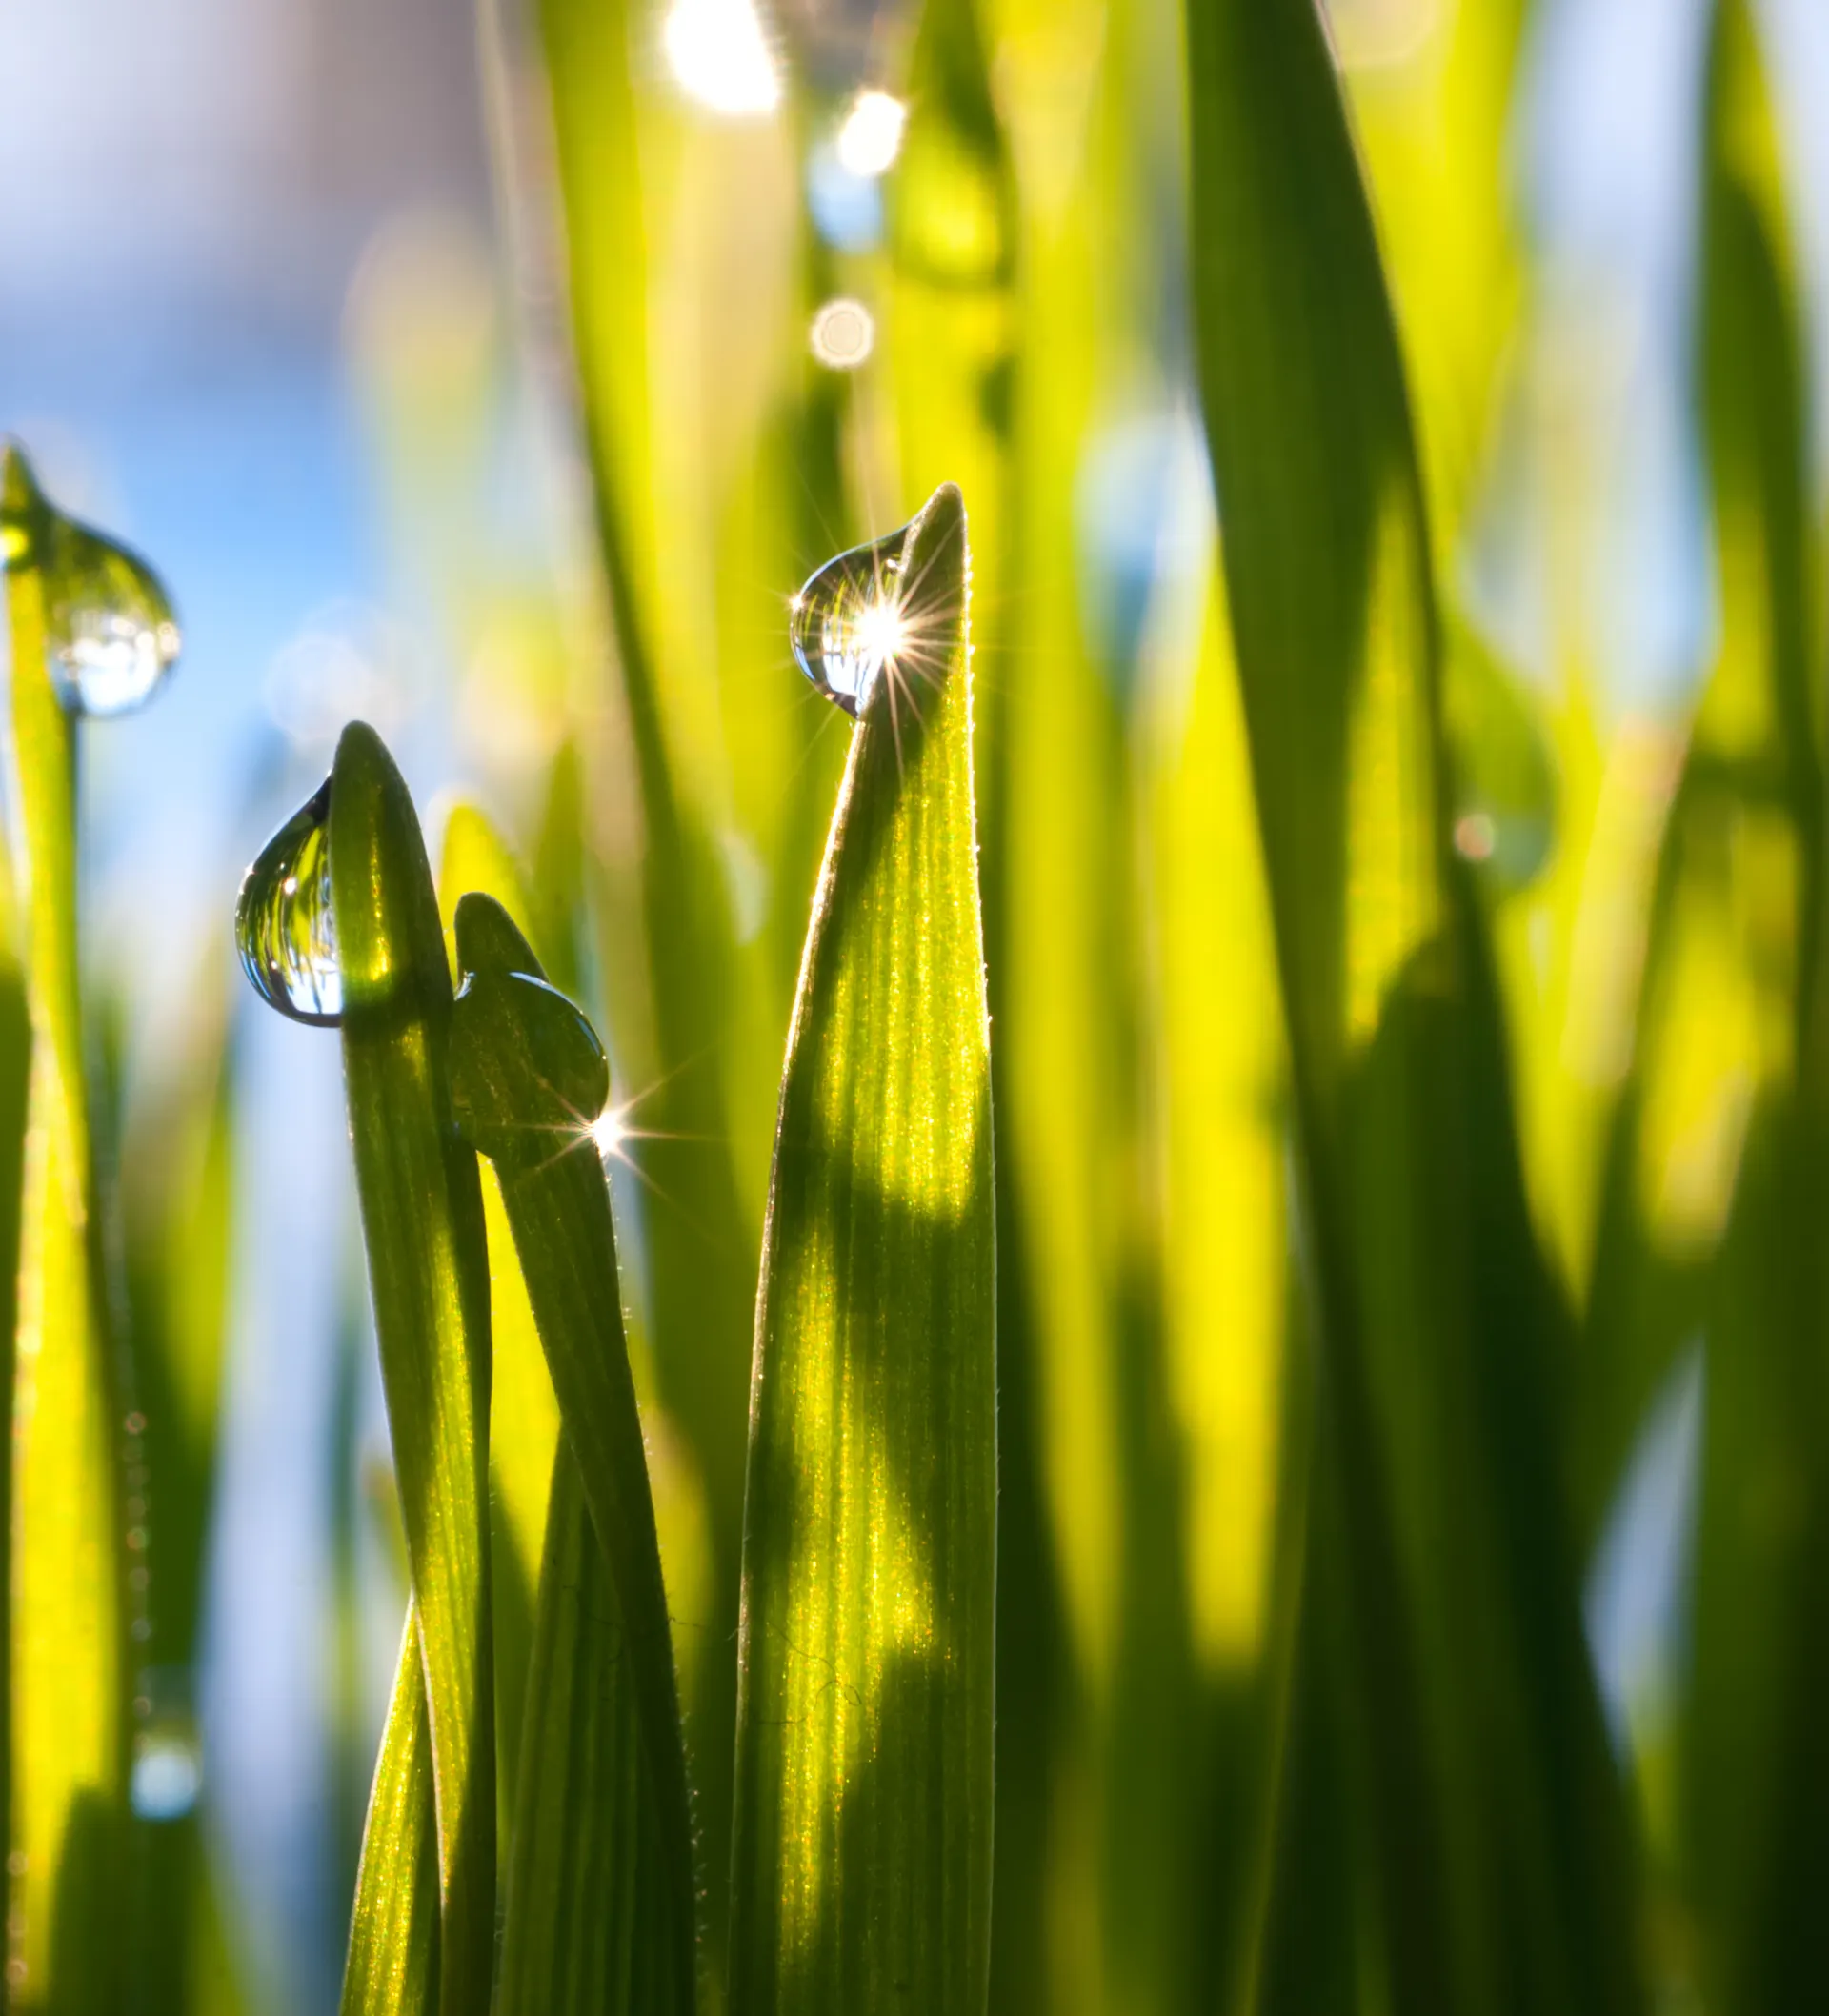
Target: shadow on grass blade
(862, 1869)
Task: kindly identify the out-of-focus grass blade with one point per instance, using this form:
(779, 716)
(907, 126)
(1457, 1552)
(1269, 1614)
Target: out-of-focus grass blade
(523, 1413)
(862, 1867)
(601, 1901)
(1751, 1848)
(69, 1703)
(422, 1221)
(392, 1964)
(1225, 1255)
(699, 1242)
(177, 1191)
(1494, 1840)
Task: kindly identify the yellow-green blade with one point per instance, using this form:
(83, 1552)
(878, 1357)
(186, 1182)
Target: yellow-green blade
(422, 1223)
(392, 1963)
(523, 1414)
(698, 1239)
(1493, 1870)
(862, 1866)
(68, 1701)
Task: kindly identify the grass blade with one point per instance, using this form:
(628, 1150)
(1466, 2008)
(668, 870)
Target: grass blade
(69, 1698)
(863, 1864)
(699, 1245)
(1751, 1848)
(530, 1077)
(523, 1411)
(392, 1964)
(422, 1221)
(593, 1918)
(1495, 1834)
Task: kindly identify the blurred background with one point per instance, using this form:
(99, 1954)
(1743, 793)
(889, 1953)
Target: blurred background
(280, 303)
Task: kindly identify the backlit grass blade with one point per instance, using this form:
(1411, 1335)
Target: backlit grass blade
(69, 1730)
(422, 1223)
(523, 1414)
(530, 1079)
(700, 1248)
(392, 1963)
(862, 1869)
(15, 1087)
(1495, 1856)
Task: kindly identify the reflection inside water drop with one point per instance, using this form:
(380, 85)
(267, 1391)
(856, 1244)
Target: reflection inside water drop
(283, 928)
(110, 633)
(847, 623)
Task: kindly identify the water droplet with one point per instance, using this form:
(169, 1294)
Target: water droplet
(847, 623)
(283, 928)
(110, 636)
(167, 1757)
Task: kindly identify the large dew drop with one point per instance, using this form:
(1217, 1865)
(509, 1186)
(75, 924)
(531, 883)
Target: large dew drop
(849, 620)
(110, 633)
(283, 928)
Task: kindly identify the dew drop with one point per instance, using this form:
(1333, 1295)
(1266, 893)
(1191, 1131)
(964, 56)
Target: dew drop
(847, 623)
(167, 1757)
(283, 928)
(110, 633)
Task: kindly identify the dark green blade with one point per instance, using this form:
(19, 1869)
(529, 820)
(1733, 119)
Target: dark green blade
(530, 1079)
(1752, 1846)
(862, 1867)
(1492, 1842)
(392, 1963)
(422, 1223)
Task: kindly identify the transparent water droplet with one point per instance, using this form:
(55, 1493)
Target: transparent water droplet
(848, 621)
(283, 928)
(167, 1757)
(110, 633)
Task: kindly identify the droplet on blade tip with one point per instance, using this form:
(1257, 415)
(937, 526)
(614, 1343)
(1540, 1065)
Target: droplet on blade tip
(110, 633)
(859, 614)
(285, 931)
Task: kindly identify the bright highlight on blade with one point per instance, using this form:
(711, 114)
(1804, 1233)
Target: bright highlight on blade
(609, 1132)
(720, 56)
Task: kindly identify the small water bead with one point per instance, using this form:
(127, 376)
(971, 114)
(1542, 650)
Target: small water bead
(111, 636)
(283, 928)
(848, 622)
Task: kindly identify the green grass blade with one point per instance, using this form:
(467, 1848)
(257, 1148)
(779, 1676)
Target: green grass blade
(422, 1221)
(530, 1077)
(1752, 1842)
(69, 1698)
(523, 1412)
(862, 1866)
(392, 1963)
(1495, 1855)
(593, 1920)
